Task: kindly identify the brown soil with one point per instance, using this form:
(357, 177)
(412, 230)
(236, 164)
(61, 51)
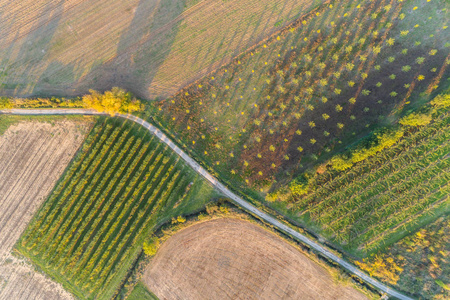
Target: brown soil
(235, 259)
(18, 280)
(151, 48)
(33, 156)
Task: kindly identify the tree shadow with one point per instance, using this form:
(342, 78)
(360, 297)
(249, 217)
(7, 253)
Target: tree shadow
(33, 49)
(132, 69)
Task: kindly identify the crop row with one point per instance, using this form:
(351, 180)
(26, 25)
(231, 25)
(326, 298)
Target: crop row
(108, 198)
(360, 206)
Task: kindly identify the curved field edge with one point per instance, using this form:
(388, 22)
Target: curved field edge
(222, 104)
(77, 231)
(225, 209)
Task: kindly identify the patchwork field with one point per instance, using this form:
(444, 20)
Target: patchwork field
(235, 259)
(122, 183)
(33, 155)
(151, 48)
(296, 99)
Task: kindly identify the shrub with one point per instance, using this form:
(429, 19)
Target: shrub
(181, 219)
(441, 101)
(151, 248)
(339, 163)
(415, 119)
(299, 186)
(383, 267)
(5, 103)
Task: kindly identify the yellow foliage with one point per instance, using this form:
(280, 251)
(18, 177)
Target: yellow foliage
(415, 119)
(5, 103)
(441, 101)
(340, 164)
(299, 186)
(112, 102)
(151, 248)
(382, 267)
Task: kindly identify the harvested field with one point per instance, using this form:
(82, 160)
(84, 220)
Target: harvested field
(18, 280)
(123, 183)
(235, 259)
(33, 156)
(151, 48)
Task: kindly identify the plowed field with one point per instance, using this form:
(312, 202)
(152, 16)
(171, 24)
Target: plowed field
(151, 48)
(33, 156)
(234, 259)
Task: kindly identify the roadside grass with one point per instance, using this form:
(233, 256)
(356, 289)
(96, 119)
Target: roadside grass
(7, 120)
(121, 185)
(140, 292)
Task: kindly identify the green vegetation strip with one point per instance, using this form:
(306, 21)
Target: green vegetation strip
(122, 183)
(366, 205)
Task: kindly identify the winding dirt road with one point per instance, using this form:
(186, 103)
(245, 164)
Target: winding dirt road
(239, 201)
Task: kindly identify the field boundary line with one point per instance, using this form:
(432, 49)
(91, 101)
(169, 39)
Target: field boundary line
(222, 188)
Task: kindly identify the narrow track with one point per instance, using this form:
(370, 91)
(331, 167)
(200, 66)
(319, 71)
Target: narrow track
(238, 200)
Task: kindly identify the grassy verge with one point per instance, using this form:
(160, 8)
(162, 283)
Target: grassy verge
(224, 209)
(140, 292)
(7, 120)
(122, 184)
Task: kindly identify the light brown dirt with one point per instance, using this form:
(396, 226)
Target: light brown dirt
(235, 259)
(33, 156)
(18, 280)
(150, 47)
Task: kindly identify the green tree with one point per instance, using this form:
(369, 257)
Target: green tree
(299, 186)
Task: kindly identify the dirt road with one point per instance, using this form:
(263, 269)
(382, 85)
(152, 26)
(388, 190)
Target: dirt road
(238, 200)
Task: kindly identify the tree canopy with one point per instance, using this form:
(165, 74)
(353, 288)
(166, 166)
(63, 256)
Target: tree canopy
(115, 101)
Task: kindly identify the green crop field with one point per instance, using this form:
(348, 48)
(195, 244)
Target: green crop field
(385, 196)
(292, 101)
(122, 183)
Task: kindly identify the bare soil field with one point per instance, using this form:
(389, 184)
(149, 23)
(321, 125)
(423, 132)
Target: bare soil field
(33, 155)
(235, 259)
(18, 280)
(151, 48)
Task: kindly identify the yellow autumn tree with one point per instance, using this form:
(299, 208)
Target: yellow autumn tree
(382, 266)
(115, 101)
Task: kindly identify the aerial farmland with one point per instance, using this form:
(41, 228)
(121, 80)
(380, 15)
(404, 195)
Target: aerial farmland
(200, 149)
